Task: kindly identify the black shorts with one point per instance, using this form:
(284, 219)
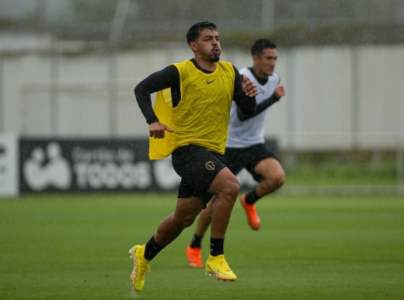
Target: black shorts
(238, 158)
(197, 168)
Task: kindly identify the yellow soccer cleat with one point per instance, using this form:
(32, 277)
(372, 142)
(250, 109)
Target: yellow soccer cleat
(217, 266)
(194, 256)
(141, 266)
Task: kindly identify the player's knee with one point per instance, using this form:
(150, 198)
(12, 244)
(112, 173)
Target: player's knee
(187, 221)
(231, 189)
(280, 179)
(275, 181)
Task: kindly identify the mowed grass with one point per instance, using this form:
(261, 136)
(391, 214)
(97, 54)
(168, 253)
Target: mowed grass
(75, 247)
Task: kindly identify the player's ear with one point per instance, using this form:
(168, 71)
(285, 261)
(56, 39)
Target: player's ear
(194, 46)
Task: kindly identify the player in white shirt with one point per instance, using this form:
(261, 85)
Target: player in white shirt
(245, 147)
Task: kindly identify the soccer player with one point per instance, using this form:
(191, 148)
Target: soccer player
(190, 121)
(245, 146)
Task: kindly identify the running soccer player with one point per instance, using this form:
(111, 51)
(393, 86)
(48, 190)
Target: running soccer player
(190, 121)
(245, 146)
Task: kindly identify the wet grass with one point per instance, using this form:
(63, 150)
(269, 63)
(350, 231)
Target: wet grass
(75, 247)
(335, 174)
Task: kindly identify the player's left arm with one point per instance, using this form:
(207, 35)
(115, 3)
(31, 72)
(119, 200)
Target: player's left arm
(259, 108)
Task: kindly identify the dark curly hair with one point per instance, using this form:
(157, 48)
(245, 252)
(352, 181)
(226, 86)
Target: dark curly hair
(193, 32)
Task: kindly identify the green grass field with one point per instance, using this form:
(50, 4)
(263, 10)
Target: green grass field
(75, 247)
(337, 174)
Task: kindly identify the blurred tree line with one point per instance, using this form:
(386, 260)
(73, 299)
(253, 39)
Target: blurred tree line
(289, 22)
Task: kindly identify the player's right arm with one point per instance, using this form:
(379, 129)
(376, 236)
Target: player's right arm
(244, 93)
(160, 80)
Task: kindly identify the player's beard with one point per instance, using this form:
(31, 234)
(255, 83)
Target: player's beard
(264, 73)
(215, 58)
(215, 54)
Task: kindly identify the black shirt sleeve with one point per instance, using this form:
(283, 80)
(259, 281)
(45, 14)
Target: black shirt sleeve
(245, 103)
(160, 80)
(259, 108)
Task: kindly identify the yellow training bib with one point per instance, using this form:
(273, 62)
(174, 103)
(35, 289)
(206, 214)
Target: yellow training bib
(202, 115)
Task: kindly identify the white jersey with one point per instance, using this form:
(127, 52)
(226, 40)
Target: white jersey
(243, 134)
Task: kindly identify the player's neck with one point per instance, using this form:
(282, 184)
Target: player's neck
(258, 73)
(205, 64)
